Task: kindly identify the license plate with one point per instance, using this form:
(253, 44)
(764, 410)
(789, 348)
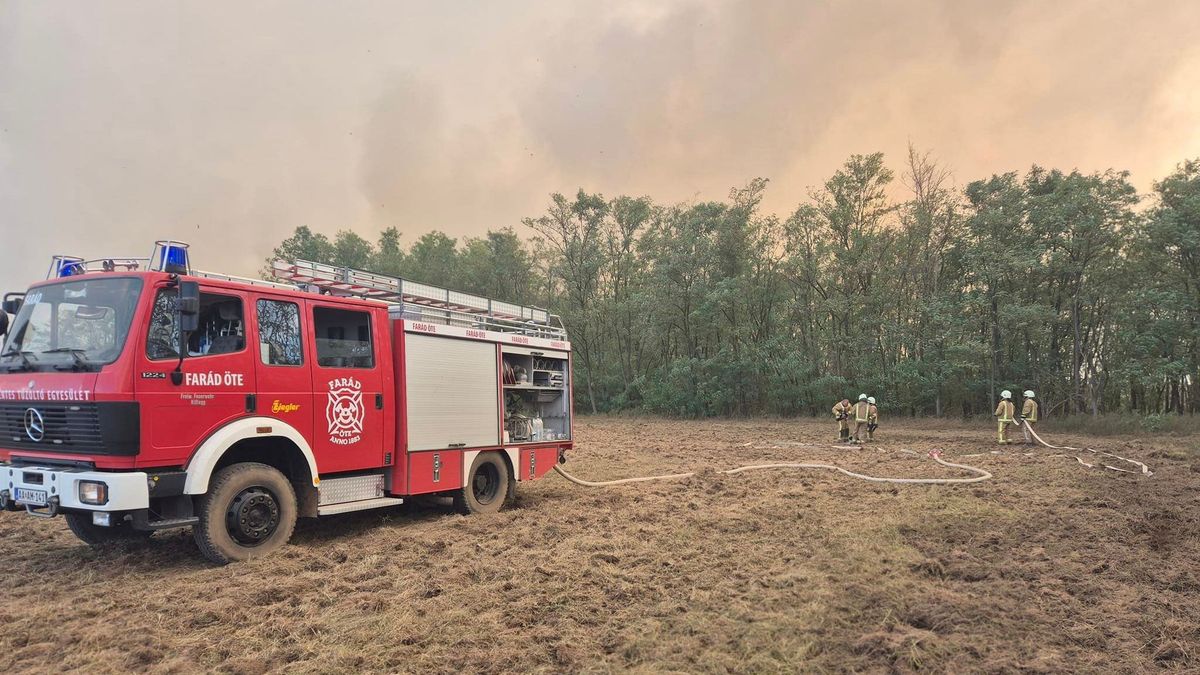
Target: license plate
(34, 497)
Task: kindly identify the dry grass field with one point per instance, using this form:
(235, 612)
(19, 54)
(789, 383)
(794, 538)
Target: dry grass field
(1049, 567)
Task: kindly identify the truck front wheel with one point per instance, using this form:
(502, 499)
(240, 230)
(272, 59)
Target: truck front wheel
(487, 488)
(249, 511)
(94, 535)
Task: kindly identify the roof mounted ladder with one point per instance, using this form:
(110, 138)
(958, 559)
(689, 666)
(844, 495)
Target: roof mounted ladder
(424, 302)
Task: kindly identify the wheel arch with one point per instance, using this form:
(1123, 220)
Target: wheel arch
(244, 440)
(511, 459)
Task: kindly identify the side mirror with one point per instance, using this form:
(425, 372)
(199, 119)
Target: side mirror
(189, 306)
(11, 305)
(187, 315)
(13, 302)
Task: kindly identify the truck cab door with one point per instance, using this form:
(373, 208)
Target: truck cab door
(350, 429)
(218, 374)
(282, 364)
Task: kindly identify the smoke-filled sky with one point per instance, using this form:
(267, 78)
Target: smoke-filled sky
(228, 124)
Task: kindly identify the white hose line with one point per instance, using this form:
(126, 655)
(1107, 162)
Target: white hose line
(1145, 469)
(981, 474)
(1039, 439)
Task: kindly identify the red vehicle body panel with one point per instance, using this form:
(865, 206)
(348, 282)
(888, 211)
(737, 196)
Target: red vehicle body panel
(537, 462)
(434, 471)
(364, 445)
(285, 392)
(176, 419)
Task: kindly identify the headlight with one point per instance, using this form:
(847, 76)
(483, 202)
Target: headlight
(93, 492)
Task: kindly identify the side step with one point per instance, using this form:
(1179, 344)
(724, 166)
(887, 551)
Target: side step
(353, 493)
(362, 505)
(164, 524)
(350, 488)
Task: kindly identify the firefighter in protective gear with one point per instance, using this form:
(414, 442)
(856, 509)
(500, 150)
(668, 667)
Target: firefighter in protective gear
(872, 419)
(841, 413)
(862, 415)
(1029, 415)
(1004, 417)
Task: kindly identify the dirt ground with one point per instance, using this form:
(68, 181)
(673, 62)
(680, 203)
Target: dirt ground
(1050, 566)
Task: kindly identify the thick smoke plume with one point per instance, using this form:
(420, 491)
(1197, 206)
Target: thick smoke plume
(227, 125)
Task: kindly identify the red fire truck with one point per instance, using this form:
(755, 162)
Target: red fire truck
(139, 395)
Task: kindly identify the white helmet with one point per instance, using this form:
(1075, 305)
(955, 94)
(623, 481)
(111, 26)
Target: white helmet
(862, 397)
(1006, 394)
(871, 400)
(1029, 393)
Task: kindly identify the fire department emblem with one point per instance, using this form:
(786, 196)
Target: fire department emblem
(344, 411)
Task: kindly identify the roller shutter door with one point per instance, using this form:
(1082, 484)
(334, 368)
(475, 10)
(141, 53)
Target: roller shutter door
(452, 392)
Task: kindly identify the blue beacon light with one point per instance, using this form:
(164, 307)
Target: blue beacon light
(65, 266)
(171, 256)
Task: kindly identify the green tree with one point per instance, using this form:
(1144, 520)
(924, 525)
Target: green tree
(302, 245)
(498, 265)
(351, 250)
(572, 231)
(1165, 342)
(433, 259)
(389, 256)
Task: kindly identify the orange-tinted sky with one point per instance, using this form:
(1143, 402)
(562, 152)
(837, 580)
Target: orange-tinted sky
(228, 126)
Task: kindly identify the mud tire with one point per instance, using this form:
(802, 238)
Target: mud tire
(249, 512)
(488, 488)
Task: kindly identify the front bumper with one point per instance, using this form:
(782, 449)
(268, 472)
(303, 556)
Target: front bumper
(127, 491)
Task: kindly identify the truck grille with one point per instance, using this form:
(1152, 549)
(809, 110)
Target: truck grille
(105, 428)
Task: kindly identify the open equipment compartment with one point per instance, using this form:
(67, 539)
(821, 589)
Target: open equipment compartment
(537, 406)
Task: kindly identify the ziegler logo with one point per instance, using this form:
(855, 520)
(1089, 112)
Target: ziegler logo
(344, 411)
(279, 407)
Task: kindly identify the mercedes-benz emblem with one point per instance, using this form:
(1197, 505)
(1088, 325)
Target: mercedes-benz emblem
(35, 426)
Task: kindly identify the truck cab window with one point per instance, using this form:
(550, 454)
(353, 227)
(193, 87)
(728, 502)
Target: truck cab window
(38, 332)
(87, 325)
(343, 338)
(279, 341)
(222, 329)
(79, 324)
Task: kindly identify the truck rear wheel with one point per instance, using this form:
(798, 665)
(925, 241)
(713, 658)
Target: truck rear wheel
(487, 487)
(94, 535)
(249, 512)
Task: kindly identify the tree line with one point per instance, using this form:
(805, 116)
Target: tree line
(931, 297)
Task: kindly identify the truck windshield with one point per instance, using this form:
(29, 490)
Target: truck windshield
(73, 325)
